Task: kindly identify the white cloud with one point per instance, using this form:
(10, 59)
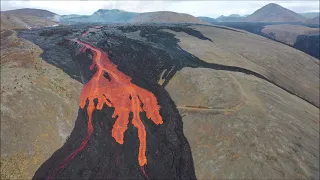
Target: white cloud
(196, 8)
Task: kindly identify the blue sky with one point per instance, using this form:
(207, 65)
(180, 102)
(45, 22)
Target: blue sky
(196, 8)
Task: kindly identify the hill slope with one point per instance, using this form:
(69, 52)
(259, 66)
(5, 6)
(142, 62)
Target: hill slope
(32, 12)
(18, 21)
(256, 57)
(274, 13)
(27, 79)
(166, 17)
(288, 33)
(238, 114)
(303, 38)
(315, 20)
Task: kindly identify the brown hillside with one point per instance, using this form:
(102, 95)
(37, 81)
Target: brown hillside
(11, 21)
(31, 12)
(235, 121)
(166, 17)
(39, 103)
(288, 33)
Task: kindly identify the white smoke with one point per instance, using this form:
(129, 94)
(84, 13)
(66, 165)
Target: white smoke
(56, 18)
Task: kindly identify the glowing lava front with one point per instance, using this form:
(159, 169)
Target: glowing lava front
(121, 94)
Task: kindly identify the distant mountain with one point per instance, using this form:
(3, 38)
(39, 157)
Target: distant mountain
(74, 19)
(114, 15)
(310, 15)
(101, 16)
(71, 16)
(315, 20)
(234, 15)
(230, 18)
(274, 13)
(119, 16)
(166, 17)
(207, 19)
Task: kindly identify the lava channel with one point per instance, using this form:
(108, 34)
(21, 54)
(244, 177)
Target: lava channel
(117, 92)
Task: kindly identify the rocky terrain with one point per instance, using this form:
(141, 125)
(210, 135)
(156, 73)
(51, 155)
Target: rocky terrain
(249, 105)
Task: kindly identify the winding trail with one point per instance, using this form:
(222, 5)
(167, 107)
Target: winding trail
(234, 108)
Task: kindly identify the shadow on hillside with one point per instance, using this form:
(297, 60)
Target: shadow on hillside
(309, 45)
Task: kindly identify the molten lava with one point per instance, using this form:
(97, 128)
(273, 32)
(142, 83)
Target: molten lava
(121, 94)
(118, 92)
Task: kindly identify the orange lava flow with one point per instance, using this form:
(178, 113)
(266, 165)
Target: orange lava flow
(117, 92)
(121, 94)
